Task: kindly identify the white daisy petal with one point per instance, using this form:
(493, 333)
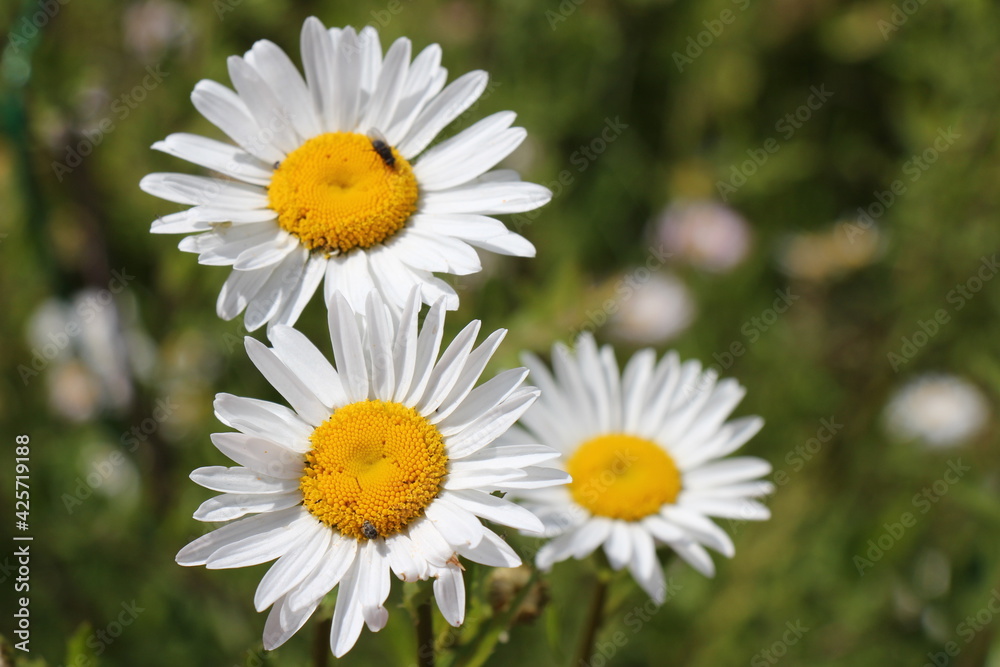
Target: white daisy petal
(447, 370)
(259, 256)
(388, 88)
(404, 559)
(428, 344)
(449, 592)
(272, 523)
(307, 363)
(258, 549)
(277, 69)
(262, 103)
(289, 570)
(618, 546)
(486, 198)
(347, 350)
(432, 547)
(348, 616)
(538, 477)
(224, 109)
(374, 572)
(337, 560)
(347, 82)
(283, 622)
(509, 243)
(271, 298)
(483, 398)
(379, 349)
(702, 529)
(492, 551)
(491, 425)
(262, 456)
(238, 290)
(722, 473)
(439, 112)
(404, 349)
(264, 419)
(185, 189)
(312, 274)
(318, 61)
(597, 531)
(696, 557)
(231, 506)
(217, 156)
(288, 384)
(556, 550)
(726, 508)
(457, 526)
(496, 509)
(241, 480)
(471, 371)
(470, 153)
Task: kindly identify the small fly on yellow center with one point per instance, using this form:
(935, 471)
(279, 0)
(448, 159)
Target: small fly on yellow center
(342, 190)
(373, 469)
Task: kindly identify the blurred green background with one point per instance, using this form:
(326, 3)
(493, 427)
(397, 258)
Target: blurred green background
(690, 87)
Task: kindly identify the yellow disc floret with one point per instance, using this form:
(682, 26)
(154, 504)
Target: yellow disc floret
(336, 192)
(373, 468)
(623, 477)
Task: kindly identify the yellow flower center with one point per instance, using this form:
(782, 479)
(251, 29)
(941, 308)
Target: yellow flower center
(373, 468)
(336, 192)
(623, 477)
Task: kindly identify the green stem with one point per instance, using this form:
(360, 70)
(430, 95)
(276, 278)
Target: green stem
(483, 644)
(321, 643)
(424, 622)
(595, 615)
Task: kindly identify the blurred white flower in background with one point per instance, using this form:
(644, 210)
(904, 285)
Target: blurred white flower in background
(152, 27)
(705, 234)
(657, 310)
(940, 410)
(831, 253)
(89, 348)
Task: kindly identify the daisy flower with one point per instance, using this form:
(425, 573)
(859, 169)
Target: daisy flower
(384, 464)
(645, 450)
(331, 177)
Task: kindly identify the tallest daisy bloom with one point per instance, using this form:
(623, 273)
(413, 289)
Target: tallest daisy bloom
(331, 177)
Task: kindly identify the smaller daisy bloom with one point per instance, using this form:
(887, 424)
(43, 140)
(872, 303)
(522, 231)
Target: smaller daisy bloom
(386, 463)
(331, 178)
(644, 451)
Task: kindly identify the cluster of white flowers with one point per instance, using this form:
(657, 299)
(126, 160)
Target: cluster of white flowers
(386, 460)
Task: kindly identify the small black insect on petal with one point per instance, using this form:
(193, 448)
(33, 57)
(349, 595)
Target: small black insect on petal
(381, 146)
(368, 530)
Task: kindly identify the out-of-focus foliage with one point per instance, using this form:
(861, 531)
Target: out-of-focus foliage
(630, 105)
